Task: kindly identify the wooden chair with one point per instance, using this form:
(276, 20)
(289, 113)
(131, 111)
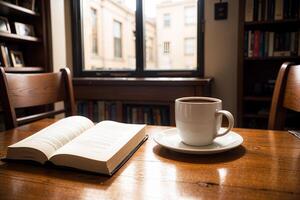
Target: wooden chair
(28, 90)
(286, 95)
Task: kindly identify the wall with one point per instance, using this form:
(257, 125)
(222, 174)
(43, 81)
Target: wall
(59, 49)
(58, 34)
(221, 38)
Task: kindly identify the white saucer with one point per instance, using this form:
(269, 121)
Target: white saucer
(170, 139)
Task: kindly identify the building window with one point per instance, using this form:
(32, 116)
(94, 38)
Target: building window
(166, 47)
(190, 15)
(149, 50)
(94, 31)
(167, 20)
(130, 38)
(189, 46)
(117, 33)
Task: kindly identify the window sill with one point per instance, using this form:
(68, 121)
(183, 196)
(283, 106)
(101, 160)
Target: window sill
(174, 81)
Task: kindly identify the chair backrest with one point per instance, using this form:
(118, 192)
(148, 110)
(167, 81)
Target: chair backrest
(29, 90)
(286, 95)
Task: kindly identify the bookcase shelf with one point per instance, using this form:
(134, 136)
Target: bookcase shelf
(24, 69)
(263, 45)
(260, 24)
(7, 8)
(274, 58)
(136, 100)
(17, 38)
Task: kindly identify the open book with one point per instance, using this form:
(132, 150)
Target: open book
(76, 142)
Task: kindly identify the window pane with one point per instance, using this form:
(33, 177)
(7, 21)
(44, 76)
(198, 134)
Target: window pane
(108, 34)
(172, 27)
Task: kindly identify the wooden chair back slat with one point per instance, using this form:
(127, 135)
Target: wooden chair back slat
(286, 95)
(29, 90)
(292, 89)
(34, 90)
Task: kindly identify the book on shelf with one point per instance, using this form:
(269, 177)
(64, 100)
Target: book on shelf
(249, 10)
(259, 44)
(262, 10)
(5, 58)
(76, 142)
(148, 114)
(97, 110)
(279, 9)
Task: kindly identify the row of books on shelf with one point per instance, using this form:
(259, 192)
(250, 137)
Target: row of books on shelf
(137, 114)
(97, 110)
(265, 10)
(271, 44)
(158, 115)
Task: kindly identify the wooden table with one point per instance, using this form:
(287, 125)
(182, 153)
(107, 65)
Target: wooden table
(266, 166)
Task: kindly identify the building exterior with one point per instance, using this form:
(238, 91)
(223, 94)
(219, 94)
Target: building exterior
(109, 35)
(176, 25)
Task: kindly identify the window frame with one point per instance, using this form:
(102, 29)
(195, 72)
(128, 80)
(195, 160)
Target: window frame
(140, 68)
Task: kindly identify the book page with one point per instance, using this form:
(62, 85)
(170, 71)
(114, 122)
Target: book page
(102, 141)
(53, 137)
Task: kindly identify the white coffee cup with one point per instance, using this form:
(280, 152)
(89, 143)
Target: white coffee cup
(198, 119)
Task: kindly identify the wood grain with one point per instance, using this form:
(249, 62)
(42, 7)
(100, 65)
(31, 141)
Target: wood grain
(29, 90)
(266, 166)
(286, 95)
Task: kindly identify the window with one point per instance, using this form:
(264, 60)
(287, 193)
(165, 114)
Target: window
(94, 31)
(189, 46)
(167, 20)
(130, 37)
(117, 39)
(166, 47)
(190, 15)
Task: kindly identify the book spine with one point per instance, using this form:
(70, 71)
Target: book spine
(286, 9)
(249, 10)
(95, 112)
(256, 43)
(266, 44)
(271, 44)
(250, 44)
(261, 44)
(259, 17)
(278, 9)
(263, 10)
(101, 110)
(134, 115)
(293, 44)
(246, 39)
(255, 10)
(271, 9)
(128, 114)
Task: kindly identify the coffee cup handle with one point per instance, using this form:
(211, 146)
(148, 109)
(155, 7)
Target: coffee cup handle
(230, 118)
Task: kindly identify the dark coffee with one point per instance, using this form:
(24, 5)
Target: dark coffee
(197, 101)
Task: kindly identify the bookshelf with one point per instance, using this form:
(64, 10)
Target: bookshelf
(135, 100)
(269, 35)
(31, 39)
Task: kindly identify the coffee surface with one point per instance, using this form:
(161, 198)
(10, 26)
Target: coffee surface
(197, 101)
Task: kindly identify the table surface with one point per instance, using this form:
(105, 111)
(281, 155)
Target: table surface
(265, 166)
